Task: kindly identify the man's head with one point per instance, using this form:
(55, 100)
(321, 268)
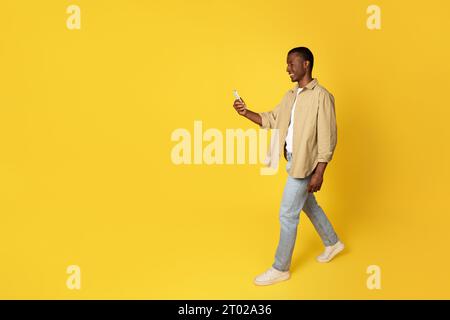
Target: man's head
(300, 62)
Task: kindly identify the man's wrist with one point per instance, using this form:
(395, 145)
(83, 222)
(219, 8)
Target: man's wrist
(318, 173)
(320, 168)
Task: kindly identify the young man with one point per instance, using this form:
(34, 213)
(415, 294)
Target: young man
(306, 120)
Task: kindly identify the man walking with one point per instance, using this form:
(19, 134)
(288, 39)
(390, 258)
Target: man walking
(306, 120)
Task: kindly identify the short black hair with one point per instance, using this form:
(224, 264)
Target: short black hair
(305, 53)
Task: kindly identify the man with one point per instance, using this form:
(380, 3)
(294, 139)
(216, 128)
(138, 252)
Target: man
(306, 120)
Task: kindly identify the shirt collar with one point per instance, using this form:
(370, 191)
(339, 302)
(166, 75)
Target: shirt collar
(310, 85)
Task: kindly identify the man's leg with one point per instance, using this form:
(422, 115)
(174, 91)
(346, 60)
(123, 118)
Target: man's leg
(294, 196)
(320, 221)
(323, 226)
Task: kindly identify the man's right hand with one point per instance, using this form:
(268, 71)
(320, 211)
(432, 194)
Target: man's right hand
(240, 107)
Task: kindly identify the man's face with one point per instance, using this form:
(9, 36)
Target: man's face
(296, 67)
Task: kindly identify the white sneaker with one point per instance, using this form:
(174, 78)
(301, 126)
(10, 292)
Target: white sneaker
(271, 276)
(330, 252)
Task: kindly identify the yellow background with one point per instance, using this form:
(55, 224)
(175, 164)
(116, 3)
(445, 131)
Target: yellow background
(87, 179)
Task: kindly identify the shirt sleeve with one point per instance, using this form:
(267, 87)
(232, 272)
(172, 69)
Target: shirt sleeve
(326, 127)
(269, 118)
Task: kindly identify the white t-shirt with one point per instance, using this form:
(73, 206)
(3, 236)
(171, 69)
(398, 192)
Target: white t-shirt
(290, 134)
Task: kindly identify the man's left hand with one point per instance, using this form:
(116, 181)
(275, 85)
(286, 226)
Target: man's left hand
(315, 182)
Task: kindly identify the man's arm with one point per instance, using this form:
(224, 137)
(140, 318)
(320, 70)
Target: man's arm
(241, 108)
(253, 116)
(263, 119)
(327, 138)
(320, 168)
(326, 127)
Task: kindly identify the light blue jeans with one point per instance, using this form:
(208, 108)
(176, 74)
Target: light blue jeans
(295, 198)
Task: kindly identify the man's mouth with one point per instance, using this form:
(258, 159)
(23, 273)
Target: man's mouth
(291, 74)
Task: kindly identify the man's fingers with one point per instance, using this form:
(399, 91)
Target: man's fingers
(312, 188)
(240, 106)
(237, 101)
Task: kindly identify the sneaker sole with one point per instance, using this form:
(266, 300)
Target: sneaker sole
(266, 283)
(333, 254)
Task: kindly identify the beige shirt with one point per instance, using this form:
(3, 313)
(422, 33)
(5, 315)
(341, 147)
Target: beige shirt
(315, 129)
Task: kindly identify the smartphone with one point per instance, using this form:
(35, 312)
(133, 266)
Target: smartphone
(236, 95)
